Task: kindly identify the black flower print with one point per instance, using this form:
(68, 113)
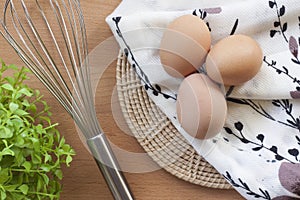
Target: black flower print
(259, 145)
(280, 27)
(262, 194)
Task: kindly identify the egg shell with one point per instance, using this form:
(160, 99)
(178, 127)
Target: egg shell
(201, 106)
(234, 60)
(184, 45)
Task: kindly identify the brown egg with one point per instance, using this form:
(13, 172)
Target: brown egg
(184, 45)
(201, 107)
(234, 60)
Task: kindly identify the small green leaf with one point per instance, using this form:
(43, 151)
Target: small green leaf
(35, 158)
(62, 142)
(35, 144)
(33, 108)
(5, 132)
(3, 195)
(12, 66)
(18, 196)
(39, 184)
(46, 119)
(13, 107)
(58, 173)
(10, 80)
(7, 152)
(5, 143)
(27, 166)
(19, 156)
(10, 187)
(25, 103)
(46, 167)
(4, 175)
(66, 148)
(19, 141)
(39, 129)
(45, 178)
(48, 158)
(20, 179)
(37, 93)
(25, 91)
(21, 112)
(17, 122)
(68, 160)
(8, 86)
(50, 141)
(24, 189)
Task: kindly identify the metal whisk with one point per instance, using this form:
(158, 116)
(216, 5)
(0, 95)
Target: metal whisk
(50, 38)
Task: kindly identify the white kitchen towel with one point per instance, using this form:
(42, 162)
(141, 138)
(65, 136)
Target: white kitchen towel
(258, 149)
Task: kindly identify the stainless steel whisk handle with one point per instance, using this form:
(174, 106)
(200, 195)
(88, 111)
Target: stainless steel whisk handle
(108, 165)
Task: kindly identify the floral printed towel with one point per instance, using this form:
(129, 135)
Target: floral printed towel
(258, 149)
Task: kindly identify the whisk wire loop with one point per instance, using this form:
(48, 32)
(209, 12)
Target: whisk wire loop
(55, 49)
(78, 102)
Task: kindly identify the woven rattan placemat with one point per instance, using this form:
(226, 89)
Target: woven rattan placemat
(156, 134)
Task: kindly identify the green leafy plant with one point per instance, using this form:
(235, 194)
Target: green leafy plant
(32, 150)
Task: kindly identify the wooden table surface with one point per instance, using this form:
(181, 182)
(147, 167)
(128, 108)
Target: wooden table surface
(83, 181)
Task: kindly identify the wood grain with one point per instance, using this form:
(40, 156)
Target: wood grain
(83, 179)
